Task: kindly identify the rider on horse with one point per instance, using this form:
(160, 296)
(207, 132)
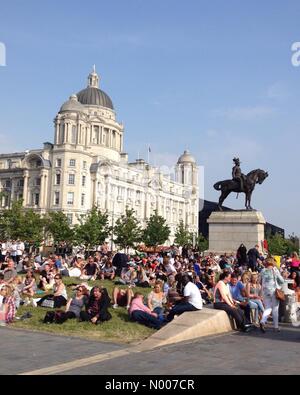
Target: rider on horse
(237, 174)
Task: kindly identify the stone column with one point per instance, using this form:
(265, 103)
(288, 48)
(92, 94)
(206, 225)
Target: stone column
(45, 195)
(12, 190)
(25, 188)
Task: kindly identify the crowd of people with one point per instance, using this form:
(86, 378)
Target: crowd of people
(245, 285)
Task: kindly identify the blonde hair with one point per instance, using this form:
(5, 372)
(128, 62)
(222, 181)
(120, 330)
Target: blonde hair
(245, 276)
(18, 280)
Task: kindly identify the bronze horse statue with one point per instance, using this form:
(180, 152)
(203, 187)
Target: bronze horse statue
(251, 179)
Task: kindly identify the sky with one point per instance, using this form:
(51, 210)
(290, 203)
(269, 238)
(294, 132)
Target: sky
(213, 77)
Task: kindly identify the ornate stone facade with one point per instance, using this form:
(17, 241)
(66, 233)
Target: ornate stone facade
(86, 166)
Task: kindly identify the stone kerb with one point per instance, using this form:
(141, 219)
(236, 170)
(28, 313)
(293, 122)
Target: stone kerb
(189, 326)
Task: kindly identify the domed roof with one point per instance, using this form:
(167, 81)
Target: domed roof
(94, 97)
(186, 157)
(72, 105)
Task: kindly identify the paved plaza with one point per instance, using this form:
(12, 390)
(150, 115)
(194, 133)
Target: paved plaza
(234, 353)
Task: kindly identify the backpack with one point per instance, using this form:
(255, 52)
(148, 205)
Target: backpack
(59, 317)
(49, 317)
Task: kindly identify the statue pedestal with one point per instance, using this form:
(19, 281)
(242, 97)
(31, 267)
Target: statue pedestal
(229, 229)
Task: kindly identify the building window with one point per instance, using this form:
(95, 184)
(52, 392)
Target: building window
(36, 199)
(84, 165)
(72, 162)
(57, 179)
(6, 201)
(83, 181)
(70, 198)
(58, 162)
(56, 197)
(82, 199)
(96, 139)
(20, 183)
(71, 179)
(38, 181)
(7, 183)
(70, 219)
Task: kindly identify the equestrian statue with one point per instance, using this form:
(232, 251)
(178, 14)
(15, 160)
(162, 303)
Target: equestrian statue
(240, 183)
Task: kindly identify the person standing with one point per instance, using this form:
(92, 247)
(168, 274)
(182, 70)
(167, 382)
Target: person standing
(271, 280)
(253, 256)
(242, 255)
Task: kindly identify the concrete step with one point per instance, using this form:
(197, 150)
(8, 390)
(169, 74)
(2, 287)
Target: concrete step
(189, 326)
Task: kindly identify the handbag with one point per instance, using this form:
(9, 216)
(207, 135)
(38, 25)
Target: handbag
(48, 303)
(279, 294)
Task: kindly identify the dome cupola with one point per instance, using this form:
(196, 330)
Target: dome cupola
(92, 95)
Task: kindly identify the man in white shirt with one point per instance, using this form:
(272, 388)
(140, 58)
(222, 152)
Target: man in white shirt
(3, 251)
(20, 250)
(13, 251)
(191, 300)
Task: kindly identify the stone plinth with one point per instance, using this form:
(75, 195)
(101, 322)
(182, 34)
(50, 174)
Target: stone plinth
(229, 229)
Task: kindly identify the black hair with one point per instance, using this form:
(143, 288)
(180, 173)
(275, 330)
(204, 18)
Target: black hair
(224, 275)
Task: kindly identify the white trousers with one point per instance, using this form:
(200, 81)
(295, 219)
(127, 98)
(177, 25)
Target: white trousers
(271, 306)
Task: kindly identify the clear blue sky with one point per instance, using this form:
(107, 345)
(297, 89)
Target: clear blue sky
(212, 76)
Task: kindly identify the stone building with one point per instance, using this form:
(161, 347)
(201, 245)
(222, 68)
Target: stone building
(86, 165)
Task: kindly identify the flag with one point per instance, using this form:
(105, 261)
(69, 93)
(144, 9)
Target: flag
(149, 149)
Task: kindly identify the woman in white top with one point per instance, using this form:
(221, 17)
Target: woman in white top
(270, 281)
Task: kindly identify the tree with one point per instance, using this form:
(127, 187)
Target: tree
(18, 223)
(32, 228)
(11, 221)
(182, 235)
(278, 245)
(93, 228)
(127, 230)
(157, 231)
(58, 226)
(201, 243)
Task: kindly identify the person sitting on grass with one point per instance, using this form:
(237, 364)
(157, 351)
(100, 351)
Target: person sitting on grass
(97, 307)
(142, 279)
(90, 270)
(46, 278)
(140, 313)
(8, 308)
(156, 300)
(122, 297)
(107, 271)
(128, 275)
(29, 288)
(60, 293)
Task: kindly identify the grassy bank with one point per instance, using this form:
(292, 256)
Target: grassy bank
(118, 329)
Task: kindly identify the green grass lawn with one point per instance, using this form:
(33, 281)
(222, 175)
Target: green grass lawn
(119, 329)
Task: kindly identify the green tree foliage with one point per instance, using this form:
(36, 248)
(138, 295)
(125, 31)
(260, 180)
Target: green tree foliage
(201, 243)
(32, 228)
(278, 245)
(93, 228)
(182, 235)
(58, 227)
(18, 223)
(157, 231)
(127, 230)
